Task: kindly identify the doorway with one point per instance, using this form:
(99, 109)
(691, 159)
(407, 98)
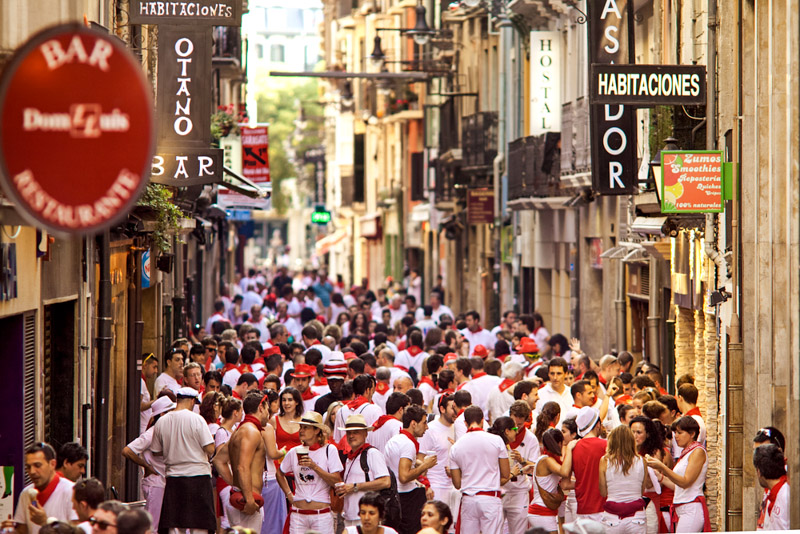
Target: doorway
(58, 350)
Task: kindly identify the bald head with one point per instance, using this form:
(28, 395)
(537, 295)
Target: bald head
(403, 384)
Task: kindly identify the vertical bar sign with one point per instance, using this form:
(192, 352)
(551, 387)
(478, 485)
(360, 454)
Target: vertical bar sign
(545, 82)
(613, 126)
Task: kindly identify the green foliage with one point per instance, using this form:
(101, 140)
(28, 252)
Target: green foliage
(661, 127)
(281, 109)
(158, 198)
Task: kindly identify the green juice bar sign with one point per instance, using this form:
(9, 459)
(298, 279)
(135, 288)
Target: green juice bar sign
(692, 181)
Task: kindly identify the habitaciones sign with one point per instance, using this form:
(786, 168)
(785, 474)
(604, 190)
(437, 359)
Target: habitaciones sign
(648, 85)
(613, 126)
(77, 130)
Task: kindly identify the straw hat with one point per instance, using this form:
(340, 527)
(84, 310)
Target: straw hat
(355, 422)
(312, 419)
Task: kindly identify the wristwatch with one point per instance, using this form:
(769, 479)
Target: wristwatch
(355, 487)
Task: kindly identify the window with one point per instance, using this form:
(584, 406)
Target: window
(259, 51)
(277, 53)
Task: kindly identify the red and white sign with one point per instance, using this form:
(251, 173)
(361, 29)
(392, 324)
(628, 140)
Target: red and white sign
(255, 154)
(76, 130)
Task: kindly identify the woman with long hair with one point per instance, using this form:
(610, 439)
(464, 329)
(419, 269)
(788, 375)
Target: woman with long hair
(548, 418)
(687, 477)
(649, 437)
(623, 481)
(569, 428)
(521, 456)
(437, 515)
(359, 323)
(343, 322)
(231, 413)
(370, 513)
(290, 409)
(548, 471)
(211, 409)
(433, 338)
(429, 382)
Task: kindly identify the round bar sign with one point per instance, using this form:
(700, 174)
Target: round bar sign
(77, 130)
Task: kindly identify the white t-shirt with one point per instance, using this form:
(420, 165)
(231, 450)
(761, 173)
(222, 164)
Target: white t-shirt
(180, 436)
(460, 426)
(141, 445)
(353, 474)
(231, 377)
(144, 416)
(426, 325)
(442, 310)
(323, 350)
(261, 326)
(395, 374)
(428, 393)
(400, 446)
(548, 394)
(370, 412)
(540, 336)
(386, 530)
(379, 438)
(499, 402)
(529, 449)
(479, 388)
(778, 519)
(165, 380)
(481, 337)
(405, 359)
(59, 505)
(476, 455)
(437, 440)
(309, 486)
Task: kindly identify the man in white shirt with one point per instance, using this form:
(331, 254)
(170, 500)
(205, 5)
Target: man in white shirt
(149, 370)
(582, 395)
(523, 452)
(259, 321)
(463, 400)
(49, 494)
(363, 389)
(509, 321)
(438, 309)
(481, 384)
(355, 479)
(771, 471)
(219, 315)
(438, 440)
(173, 367)
(389, 425)
(479, 468)
(555, 390)
(311, 339)
(386, 360)
(476, 334)
(251, 298)
(501, 397)
(87, 495)
(402, 456)
(426, 323)
(397, 309)
(183, 439)
(413, 356)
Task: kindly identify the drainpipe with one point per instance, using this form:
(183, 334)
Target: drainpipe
(103, 366)
(653, 315)
(499, 163)
(619, 308)
(134, 365)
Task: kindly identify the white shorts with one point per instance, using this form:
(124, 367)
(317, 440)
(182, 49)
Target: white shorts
(300, 523)
(546, 522)
(690, 517)
(237, 518)
(637, 524)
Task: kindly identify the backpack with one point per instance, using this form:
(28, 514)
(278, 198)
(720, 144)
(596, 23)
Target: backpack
(391, 514)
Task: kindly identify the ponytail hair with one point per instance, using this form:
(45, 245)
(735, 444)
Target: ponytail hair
(550, 414)
(552, 440)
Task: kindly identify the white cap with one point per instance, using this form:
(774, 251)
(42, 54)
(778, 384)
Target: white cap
(190, 393)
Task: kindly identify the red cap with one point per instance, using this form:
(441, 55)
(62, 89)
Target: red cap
(304, 371)
(527, 346)
(450, 357)
(350, 355)
(481, 351)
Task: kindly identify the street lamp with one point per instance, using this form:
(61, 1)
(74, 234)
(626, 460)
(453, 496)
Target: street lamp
(655, 165)
(347, 96)
(421, 32)
(377, 57)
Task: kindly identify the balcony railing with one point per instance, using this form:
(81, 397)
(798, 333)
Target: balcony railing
(227, 43)
(479, 135)
(576, 150)
(532, 162)
(448, 131)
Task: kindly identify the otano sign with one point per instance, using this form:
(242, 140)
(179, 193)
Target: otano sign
(76, 130)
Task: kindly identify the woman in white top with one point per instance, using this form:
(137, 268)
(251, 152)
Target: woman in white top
(623, 481)
(569, 428)
(548, 472)
(370, 512)
(687, 477)
(231, 415)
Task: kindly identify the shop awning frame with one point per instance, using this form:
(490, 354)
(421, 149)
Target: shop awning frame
(248, 189)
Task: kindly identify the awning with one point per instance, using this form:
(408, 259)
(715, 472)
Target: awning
(539, 203)
(324, 245)
(242, 185)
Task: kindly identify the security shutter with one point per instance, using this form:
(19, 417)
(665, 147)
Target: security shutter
(29, 392)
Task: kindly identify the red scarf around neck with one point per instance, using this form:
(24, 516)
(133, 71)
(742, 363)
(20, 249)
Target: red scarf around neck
(413, 350)
(427, 380)
(308, 394)
(693, 411)
(476, 429)
(478, 375)
(519, 439)
(359, 401)
(43, 495)
(769, 500)
(245, 368)
(236, 395)
(505, 384)
(250, 418)
(556, 457)
(320, 381)
(228, 367)
(410, 436)
(689, 448)
(352, 455)
(381, 388)
(382, 420)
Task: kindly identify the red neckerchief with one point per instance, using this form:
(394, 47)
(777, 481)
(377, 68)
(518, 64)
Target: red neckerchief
(228, 367)
(382, 420)
(308, 394)
(401, 345)
(236, 395)
(315, 342)
(501, 357)
(460, 412)
(505, 384)
(250, 418)
(476, 429)
(357, 402)
(209, 363)
(447, 392)
(536, 330)
(689, 448)
(410, 436)
(602, 380)
(579, 377)
(352, 455)
(314, 447)
(623, 399)
(518, 441)
(201, 390)
(478, 375)
(427, 380)
(43, 495)
(260, 361)
(556, 457)
(576, 406)
(461, 385)
(244, 368)
(413, 350)
(381, 388)
(404, 369)
(769, 501)
(476, 331)
(320, 381)
(693, 411)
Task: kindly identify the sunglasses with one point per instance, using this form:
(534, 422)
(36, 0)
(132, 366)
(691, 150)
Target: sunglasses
(515, 428)
(100, 524)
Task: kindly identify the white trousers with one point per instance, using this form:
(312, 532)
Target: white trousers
(636, 524)
(154, 495)
(690, 517)
(237, 518)
(225, 502)
(299, 523)
(452, 498)
(546, 522)
(481, 513)
(515, 509)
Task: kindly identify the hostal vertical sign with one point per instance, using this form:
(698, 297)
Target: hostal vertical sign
(184, 156)
(613, 126)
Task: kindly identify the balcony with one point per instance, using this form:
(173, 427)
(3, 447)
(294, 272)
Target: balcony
(226, 51)
(449, 140)
(532, 162)
(479, 135)
(576, 149)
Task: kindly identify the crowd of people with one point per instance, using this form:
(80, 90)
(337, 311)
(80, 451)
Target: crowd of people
(320, 410)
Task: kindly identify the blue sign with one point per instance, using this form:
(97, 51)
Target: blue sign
(238, 215)
(146, 269)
